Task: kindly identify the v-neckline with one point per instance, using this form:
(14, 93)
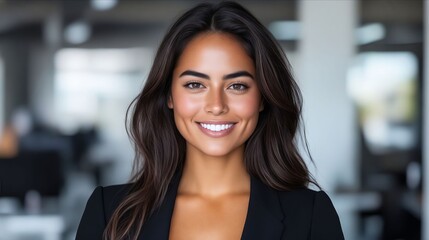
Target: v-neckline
(175, 187)
(264, 217)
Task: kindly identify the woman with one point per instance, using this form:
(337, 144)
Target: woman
(214, 131)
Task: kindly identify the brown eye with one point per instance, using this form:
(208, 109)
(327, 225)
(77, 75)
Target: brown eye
(193, 85)
(238, 87)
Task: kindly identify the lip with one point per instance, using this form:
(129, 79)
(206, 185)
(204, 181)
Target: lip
(216, 134)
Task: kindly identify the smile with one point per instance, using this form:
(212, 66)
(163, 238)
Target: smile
(216, 130)
(216, 127)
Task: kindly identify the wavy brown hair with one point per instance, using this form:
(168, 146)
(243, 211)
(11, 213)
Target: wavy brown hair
(271, 153)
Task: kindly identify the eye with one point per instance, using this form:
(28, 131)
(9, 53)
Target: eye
(238, 87)
(193, 85)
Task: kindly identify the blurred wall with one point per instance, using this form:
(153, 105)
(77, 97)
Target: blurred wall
(16, 92)
(425, 200)
(2, 120)
(42, 72)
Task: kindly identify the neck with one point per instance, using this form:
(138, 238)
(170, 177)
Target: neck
(213, 176)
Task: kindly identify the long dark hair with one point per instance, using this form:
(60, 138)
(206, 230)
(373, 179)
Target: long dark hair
(271, 153)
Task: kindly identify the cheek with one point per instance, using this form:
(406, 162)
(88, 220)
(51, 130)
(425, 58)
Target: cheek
(185, 105)
(247, 107)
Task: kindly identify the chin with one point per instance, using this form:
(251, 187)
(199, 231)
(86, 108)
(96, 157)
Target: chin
(218, 151)
(214, 152)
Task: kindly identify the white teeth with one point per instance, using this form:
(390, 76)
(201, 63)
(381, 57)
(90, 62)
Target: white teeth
(216, 127)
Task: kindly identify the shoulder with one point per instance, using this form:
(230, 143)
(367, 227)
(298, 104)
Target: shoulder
(112, 196)
(114, 193)
(299, 203)
(99, 208)
(313, 211)
(304, 196)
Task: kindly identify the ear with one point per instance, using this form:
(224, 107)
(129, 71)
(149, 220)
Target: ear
(170, 102)
(261, 106)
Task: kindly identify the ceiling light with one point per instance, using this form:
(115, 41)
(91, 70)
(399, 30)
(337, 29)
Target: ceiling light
(370, 33)
(77, 32)
(103, 5)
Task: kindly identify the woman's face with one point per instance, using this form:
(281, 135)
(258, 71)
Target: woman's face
(214, 96)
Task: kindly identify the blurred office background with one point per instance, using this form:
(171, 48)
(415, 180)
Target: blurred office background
(69, 69)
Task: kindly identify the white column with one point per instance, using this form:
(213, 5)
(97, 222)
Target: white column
(41, 84)
(326, 50)
(425, 215)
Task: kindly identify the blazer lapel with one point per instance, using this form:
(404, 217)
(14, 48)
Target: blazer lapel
(158, 225)
(265, 216)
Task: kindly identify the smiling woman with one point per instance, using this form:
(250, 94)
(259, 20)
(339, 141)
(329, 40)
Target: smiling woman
(214, 131)
(213, 88)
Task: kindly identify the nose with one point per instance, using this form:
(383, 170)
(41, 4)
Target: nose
(215, 103)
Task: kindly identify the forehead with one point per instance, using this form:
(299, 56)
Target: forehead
(215, 50)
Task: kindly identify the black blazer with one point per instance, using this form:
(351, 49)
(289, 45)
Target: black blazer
(292, 215)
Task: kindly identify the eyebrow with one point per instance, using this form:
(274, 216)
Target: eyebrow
(226, 77)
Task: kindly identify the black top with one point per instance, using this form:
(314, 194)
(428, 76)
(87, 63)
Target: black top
(292, 215)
